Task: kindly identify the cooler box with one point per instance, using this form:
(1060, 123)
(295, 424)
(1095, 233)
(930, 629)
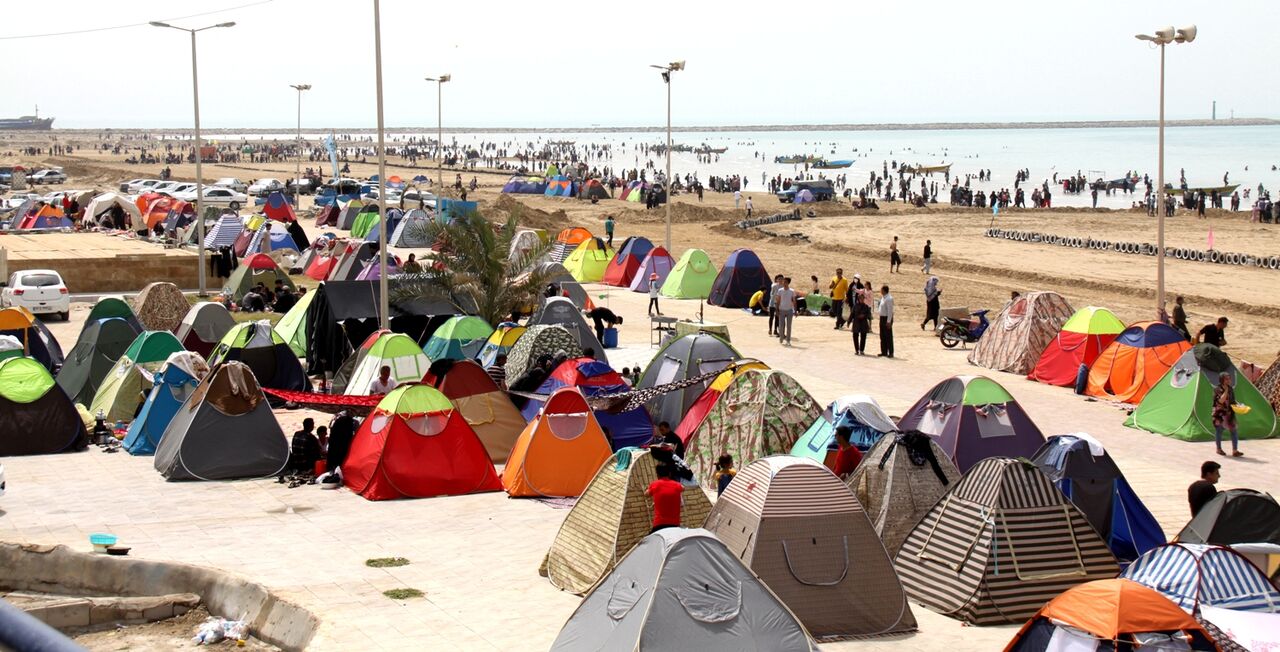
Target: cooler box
(610, 338)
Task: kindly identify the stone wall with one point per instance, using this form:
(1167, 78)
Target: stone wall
(121, 273)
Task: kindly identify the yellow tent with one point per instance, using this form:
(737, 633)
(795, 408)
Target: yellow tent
(588, 262)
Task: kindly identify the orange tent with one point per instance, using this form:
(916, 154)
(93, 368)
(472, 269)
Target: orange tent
(573, 236)
(1112, 611)
(145, 200)
(157, 209)
(1132, 364)
(559, 452)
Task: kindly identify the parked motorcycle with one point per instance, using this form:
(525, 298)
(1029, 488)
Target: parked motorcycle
(963, 331)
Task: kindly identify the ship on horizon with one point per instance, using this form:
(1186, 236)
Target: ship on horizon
(27, 123)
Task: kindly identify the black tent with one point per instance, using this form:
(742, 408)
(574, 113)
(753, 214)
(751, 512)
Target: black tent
(1235, 516)
(100, 345)
(36, 417)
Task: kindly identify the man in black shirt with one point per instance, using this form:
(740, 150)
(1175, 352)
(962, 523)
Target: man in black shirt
(1180, 318)
(666, 436)
(602, 316)
(1202, 491)
(1214, 334)
(304, 449)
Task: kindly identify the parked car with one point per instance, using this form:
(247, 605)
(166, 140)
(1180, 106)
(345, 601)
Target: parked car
(821, 189)
(139, 186)
(303, 186)
(232, 183)
(39, 290)
(182, 188)
(264, 186)
(165, 187)
(47, 176)
(419, 199)
(340, 190)
(217, 196)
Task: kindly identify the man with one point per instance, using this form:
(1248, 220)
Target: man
(666, 436)
(1180, 318)
(1203, 490)
(886, 322)
(786, 301)
(304, 448)
(928, 257)
(608, 230)
(667, 494)
(895, 261)
(498, 371)
(284, 298)
(773, 303)
(412, 266)
(384, 383)
(737, 198)
(1215, 334)
(848, 457)
(839, 290)
(601, 316)
(748, 208)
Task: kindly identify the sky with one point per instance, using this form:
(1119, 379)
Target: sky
(522, 64)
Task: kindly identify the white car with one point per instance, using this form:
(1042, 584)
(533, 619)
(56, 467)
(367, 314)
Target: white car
(217, 196)
(419, 199)
(143, 185)
(165, 187)
(263, 186)
(181, 189)
(232, 183)
(126, 185)
(39, 290)
(47, 176)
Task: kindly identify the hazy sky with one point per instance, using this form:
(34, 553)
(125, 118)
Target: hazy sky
(528, 64)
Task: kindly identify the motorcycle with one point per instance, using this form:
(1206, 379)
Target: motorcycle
(957, 331)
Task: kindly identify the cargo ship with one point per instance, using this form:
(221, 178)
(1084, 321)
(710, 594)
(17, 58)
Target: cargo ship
(27, 123)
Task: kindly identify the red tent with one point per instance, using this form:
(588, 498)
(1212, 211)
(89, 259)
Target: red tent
(277, 208)
(1081, 340)
(416, 445)
(259, 261)
(486, 407)
(622, 269)
(328, 216)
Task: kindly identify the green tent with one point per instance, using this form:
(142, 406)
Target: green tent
(692, 276)
(292, 327)
(459, 338)
(112, 307)
(1181, 404)
(126, 386)
(258, 268)
(366, 220)
(383, 348)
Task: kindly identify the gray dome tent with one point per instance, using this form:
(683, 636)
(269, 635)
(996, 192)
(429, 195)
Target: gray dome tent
(689, 356)
(562, 311)
(100, 345)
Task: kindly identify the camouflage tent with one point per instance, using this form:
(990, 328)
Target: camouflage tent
(160, 306)
(543, 339)
(1017, 337)
(1269, 384)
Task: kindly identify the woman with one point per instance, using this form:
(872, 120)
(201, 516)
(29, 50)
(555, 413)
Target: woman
(861, 322)
(1224, 417)
(931, 294)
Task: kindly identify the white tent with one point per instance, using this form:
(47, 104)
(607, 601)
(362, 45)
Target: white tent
(103, 203)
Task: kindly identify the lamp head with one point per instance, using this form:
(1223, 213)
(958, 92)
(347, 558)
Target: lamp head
(1186, 34)
(301, 87)
(445, 78)
(1164, 35)
(679, 65)
(226, 24)
(156, 23)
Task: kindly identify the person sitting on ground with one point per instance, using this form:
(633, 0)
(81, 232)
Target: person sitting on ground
(848, 457)
(285, 299)
(253, 301)
(411, 266)
(384, 383)
(666, 436)
(498, 371)
(304, 449)
(667, 494)
(724, 473)
(1203, 490)
(601, 316)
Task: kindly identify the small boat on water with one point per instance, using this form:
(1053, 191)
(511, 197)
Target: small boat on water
(707, 149)
(1208, 190)
(927, 169)
(796, 159)
(833, 165)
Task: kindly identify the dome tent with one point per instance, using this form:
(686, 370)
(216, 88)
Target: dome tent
(99, 346)
(595, 378)
(36, 340)
(459, 338)
(127, 384)
(680, 359)
(626, 263)
(382, 348)
(1233, 517)
(973, 418)
(204, 325)
(539, 340)
(562, 311)
(161, 306)
(36, 417)
(487, 409)
(258, 268)
(1135, 361)
(175, 381)
(656, 262)
(560, 450)
(567, 241)
(499, 342)
(1082, 339)
(112, 307)
(860, 413)
(1197, 575)
(1014, 340)
(691, 278)
(1180, 405)
(742, 275)
(588, 262)
(901, 477)
(264, 352)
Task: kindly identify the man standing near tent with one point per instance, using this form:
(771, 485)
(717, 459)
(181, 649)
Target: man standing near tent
(1214, 334)
(786, 300)
(667, 494)
(608, 230)
(773, 304)
(886, 322)
(839, 290)
(1203, 490)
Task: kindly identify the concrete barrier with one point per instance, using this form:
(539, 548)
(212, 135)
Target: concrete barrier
(1135, 248)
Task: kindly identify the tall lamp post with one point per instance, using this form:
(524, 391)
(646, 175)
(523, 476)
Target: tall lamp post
(666, 79)
(384, 309)
(1163, 37)
(195, 95)
(439, 128)
(297, 170)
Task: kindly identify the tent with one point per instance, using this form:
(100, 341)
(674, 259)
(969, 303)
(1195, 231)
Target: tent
(539, 340)
(761, 412)
(657, 261)
(1269, 384)
(1180, 405)
(264, 352)
(525, 185)
(622, 269)
(742, 275)
(861, 413)
(595, 378)
(1132, 364)
(701, 406)
(460, 338)
(278, 207)
(562, 311)
(372, 269)
(691, 278)
(45, 217)
(802, 532)
(381, 349)
(224, 232)
(568, 240)
(180, 216)
(900, 478)
(973, 418)
(570, 288)
(347, 216)
(1090, 479)
(1014, 340)
(559, 451)
(204, 325)
(129, 381)
(36, 340)
(103, 203)
(415, 444)
(1001, 543)
(559, 186)
(589, 260)
(1116, 614)
(224, 431)
(269, 237)
(112, 307)
(323, 256)
(1081, 340)
(1235, 516)
(327, 216)
(499, 342)
(10, 347)
(523, 244)
(410, 231)
(487, 409)
(1196, 575)
(610, 518)
(366, 220)
(36, 417)
(292, 327)
(161, 306)
(100, 344)
(681, 359)
(175, 381)
(353, 260)
(156, 210)
(682, 589)
(258, 268)
(593, 189)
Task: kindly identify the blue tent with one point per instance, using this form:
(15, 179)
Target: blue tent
(742, 275)
(394, 215)
(1086, 474)
(174, 383)
(596, 378)
(859, 412)
(525, 186)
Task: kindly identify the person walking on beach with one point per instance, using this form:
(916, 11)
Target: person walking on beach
(1180, 318)
(737, 198)
(1215, 334)
(608, 230)
(839, 287)
(895, 261)
(861, 321)
(931, 294)
(1224, 414)
(653, 295)
(786, 300)
(773, 304)
(748, 207)
(886, 322)
(928, 257)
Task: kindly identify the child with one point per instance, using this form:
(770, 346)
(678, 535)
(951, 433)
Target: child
(653, 294)
(724, 473)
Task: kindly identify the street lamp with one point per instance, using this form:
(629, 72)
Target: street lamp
(439, 129)
(384, 308)
(195, 95)
(1163, 37)
(666, 79)
(297, 170)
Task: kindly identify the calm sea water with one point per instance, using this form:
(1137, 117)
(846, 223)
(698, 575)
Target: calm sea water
(1247, 154)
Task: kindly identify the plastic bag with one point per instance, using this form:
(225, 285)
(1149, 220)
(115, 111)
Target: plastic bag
(210, 632)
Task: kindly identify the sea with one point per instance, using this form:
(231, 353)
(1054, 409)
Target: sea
(1247, 155)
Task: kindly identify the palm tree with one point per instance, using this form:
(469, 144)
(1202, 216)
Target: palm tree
(475, 269)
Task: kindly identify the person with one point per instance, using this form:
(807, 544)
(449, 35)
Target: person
(861, 322)
(1180, 318)
(498, 371)
(786, 300)
(653, 295)
(608, 230)
(412, 266)
(773, 303)
(1224, 417)
(895, 261)
(600, 316)
(928, 257)
(667, 495)
(285, 300)
(932, 305)
(626, 375)
(666, 436)
(839, 287)
(848, 457)
(253, 301)
(304, 448)
(756, 303)
(748, 207)
(737, 199)
(384, 383)
(1203, 490)
(886, 322)
(724, 473)
(1214, 334)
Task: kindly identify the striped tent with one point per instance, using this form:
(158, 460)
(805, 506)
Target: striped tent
(1269, 384)
(224, 232)
(901, 477)
(1000, 544)
(1021, 331)
(1195, 575)
(610, 518)
(796, 525)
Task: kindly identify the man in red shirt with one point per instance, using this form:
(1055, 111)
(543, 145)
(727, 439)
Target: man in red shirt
(848, 457)
(667, 496)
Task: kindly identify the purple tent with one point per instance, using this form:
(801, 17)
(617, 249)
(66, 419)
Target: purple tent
(973, 418)
(371, 271)
(804, 197)
(657, 261)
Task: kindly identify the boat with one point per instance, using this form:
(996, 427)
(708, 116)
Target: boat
(707, 149)
(927, 169)
(27, 123)
(796, 159)
(833, 165)
(1208, 190)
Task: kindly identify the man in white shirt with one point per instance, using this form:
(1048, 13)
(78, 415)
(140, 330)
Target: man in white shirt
(748, 208)
(886, 322)
(384, 383)
(737, 197)
(786, 303)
